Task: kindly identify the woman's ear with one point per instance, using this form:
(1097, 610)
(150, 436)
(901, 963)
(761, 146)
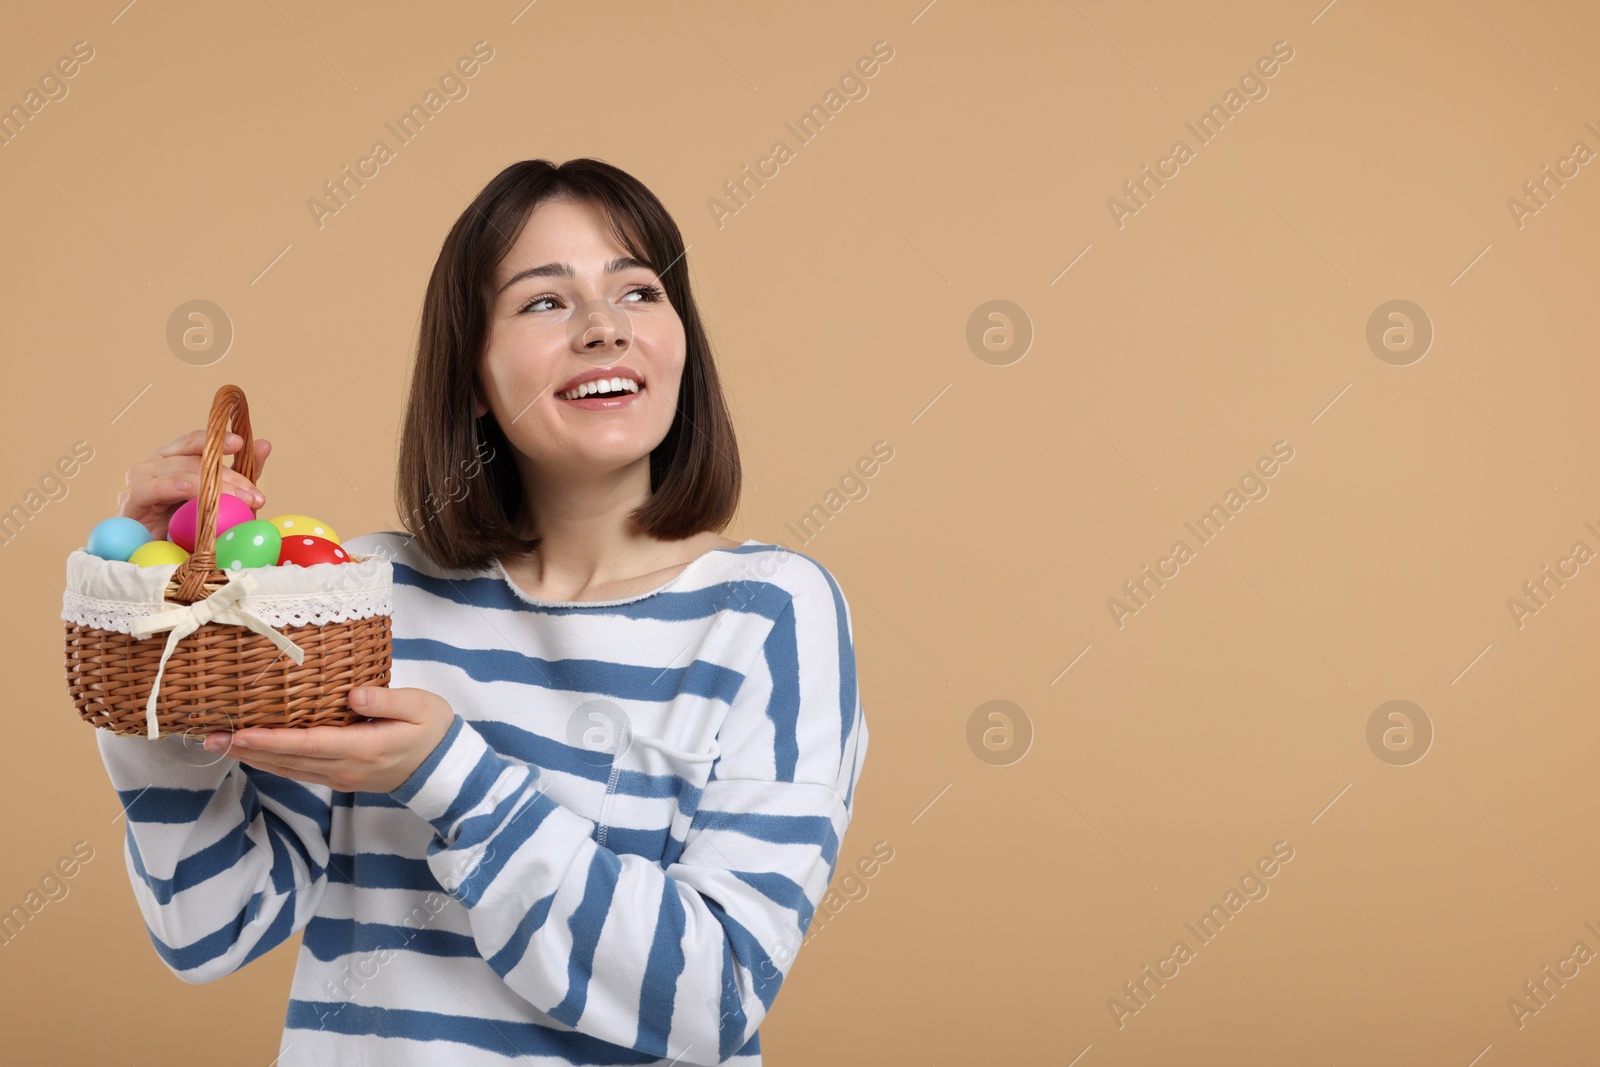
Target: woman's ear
(479, 408)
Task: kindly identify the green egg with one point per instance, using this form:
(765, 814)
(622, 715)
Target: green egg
(249, 544)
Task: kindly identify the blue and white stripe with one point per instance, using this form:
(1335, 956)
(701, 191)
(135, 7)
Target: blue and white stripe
(521, 895)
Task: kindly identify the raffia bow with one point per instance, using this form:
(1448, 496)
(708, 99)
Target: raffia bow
(184, 620)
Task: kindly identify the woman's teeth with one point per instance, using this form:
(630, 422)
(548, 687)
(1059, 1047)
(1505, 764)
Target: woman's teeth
(602, 387)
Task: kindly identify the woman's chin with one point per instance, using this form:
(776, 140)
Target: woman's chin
(594, 457)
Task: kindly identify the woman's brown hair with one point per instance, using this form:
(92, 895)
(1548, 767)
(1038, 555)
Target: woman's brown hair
(458, 489)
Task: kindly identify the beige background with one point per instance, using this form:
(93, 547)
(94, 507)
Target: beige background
(1228, 314)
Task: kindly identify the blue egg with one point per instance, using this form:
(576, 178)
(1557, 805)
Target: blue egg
(116, 538)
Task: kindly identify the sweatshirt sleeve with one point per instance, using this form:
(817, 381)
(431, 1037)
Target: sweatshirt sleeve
(678, 959)
(226, 861)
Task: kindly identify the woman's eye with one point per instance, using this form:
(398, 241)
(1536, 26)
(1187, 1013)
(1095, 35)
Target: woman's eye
(649, 293)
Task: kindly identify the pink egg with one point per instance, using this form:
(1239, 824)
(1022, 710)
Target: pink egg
(231, 511)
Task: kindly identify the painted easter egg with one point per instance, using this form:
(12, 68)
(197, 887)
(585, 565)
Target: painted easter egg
(157, 553)
(231, 511)
(305, 551)
(116, 537)
(303, 524)
(253, 543)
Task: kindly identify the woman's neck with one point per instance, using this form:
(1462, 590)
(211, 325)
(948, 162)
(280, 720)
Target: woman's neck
(577, 571)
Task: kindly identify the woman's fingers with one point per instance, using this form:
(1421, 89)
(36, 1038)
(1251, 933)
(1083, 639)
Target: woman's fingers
(152, 500)
(146, 493)
(263, 450)
(190, 443)
(301, 770)
(178, 466)
(172, 474)
(193, 443)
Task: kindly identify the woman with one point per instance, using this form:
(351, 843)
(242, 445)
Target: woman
(592, 816)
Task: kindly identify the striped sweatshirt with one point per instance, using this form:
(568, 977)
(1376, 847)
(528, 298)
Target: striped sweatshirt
(612, 857)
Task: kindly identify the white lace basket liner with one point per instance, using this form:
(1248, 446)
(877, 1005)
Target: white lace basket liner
(125, 598)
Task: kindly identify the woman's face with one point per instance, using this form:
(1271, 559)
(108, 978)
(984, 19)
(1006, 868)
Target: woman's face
(572, 310)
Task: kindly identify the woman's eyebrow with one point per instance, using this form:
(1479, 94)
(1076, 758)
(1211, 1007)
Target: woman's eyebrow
(564, 270)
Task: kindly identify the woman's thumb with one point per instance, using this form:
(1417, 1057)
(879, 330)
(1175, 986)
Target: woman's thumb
(377, 701)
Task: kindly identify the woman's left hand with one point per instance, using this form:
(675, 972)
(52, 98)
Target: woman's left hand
(365, 757)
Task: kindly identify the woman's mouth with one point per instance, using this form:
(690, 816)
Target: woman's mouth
(605, 394)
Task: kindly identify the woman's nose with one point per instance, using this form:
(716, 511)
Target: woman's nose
(595, 323)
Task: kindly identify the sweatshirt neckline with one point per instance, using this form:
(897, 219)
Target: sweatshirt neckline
(516, 591)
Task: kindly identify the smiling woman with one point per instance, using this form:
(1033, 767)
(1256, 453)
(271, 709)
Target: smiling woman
(618, 755)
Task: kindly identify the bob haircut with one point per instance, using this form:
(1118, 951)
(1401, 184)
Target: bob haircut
(458, 489)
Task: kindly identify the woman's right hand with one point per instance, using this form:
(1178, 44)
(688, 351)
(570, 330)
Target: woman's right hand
(157, 486)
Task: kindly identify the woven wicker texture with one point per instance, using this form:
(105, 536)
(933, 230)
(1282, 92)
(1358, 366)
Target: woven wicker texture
(223, 676)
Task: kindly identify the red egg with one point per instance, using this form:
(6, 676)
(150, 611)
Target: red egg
(303, 550)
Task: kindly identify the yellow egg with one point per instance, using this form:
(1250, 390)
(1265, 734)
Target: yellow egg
(303, 524)
(156, 553)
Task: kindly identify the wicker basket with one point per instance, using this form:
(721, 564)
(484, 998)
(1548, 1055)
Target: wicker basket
(186, 648)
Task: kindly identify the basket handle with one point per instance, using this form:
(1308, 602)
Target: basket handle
(228, 411)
